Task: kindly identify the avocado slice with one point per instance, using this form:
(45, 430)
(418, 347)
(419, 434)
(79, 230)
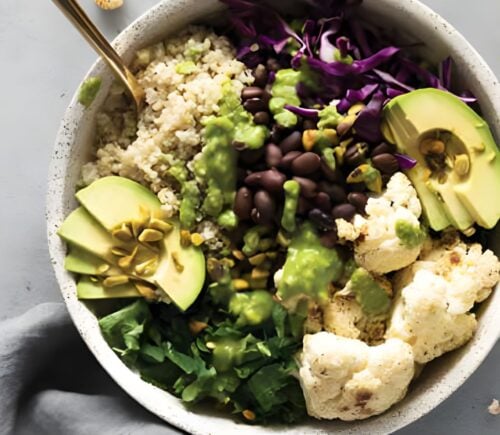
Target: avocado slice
(113, 200)
(81, 230)
(83, 262)
(461, 198)
(180, 272)
(88, 288)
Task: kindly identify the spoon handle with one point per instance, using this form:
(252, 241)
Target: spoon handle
(94, 37)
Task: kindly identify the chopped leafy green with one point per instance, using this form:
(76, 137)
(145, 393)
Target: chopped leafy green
(240, 365)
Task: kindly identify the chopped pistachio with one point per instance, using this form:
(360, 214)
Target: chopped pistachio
(177, 263)
(113, 281)
(119, 252)
(240, 284)
(249, 415)
(432, 146)
(146, 290)
(103, 268)
(185, 238)
(149, 235)
(259, 273)
(160, 225)
(257, 259)
(197, 239)
(124, 233)
(195, 326)
(462, 165)
(238, 254)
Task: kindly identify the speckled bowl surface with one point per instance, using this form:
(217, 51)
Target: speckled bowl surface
(73, 148)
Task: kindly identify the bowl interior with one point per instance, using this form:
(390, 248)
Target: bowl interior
(409, 20)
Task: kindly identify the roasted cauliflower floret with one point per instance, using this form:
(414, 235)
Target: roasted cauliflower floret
(344, 317)
(389, 237)
(345, 378)
(435, 294)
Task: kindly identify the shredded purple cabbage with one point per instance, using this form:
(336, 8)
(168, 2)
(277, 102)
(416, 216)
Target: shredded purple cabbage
(351, 60)
(302, 111)
(404, 161)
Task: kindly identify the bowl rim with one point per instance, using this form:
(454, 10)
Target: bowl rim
(149, 396)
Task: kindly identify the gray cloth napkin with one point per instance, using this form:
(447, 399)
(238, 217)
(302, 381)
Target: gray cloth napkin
(51, 384)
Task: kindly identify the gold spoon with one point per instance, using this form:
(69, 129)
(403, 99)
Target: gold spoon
(82, 22)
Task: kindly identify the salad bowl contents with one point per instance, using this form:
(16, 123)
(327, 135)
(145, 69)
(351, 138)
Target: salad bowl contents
(295, 223)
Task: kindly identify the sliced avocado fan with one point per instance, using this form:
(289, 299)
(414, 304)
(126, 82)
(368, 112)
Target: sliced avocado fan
(457, 175)
(132, 246)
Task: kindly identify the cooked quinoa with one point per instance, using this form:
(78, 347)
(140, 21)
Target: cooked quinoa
(182, 78)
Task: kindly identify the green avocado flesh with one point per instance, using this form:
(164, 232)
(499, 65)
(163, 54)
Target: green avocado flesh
(309, 269)
(87, 230)
(90, 289)
(459, 200)
(113, 200)
(83, 262)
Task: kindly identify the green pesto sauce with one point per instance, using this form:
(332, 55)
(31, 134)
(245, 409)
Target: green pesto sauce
(329, 117)
(308, 269)
(190, 196)
(88, 90)
(251, 308)
(217, 165)
(410, 235)
(186, 67)
(372, 297)
(292, 192)
(284, 92)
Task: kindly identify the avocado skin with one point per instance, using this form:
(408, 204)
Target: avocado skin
(461, 201)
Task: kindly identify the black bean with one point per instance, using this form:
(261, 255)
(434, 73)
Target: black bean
(288, 158)
(254, 105)
(278, 133)
(273, 64)
(241, 174)
(386, 178)
(336, 192)
(323, 202)
(273, 155)
(335, 176)
(322, 220)
(344, 211)
(309, 124)
(356, 154)
(329, 239)
(265, 206)
(382, 149)
(357, 187)
(243, 203)
(292, 142)
(304, 205)
(251, 157)
(358, 200)
(385, 163)
(308, 188)
(260, 75)
(272, 180)
(305, 164)
(262, 118)
(266, 97)
(251, 92)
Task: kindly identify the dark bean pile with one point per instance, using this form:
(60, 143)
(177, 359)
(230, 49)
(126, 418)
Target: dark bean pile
(325, 194)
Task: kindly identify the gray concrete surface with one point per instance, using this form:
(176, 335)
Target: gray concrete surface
(42, 61)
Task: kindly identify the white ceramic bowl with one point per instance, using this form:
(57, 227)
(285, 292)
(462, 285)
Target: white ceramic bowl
(74, 143)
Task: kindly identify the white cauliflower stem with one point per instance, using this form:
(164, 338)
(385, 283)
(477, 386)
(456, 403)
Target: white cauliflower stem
(377, 247)
(345, 378)
(435, 294)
